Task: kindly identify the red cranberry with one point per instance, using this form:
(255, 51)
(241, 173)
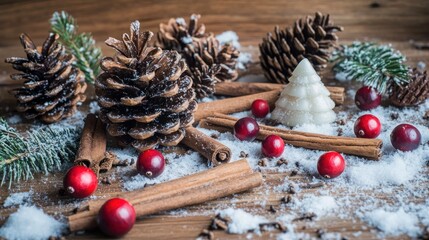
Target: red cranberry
(116, 217)
(150, 163)
(405, 137)
(260, 108)
(331, 165)
(367, 98)
(246, 129)
(273, 146)
(80, 182)
(367, 126)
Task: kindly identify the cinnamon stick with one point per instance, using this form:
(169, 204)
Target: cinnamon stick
(233, 105)
(245, 88)
(217, 182)
(93, 141)
(211, 149)
(368, 148)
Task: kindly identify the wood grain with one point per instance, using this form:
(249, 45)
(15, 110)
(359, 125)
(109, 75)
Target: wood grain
(394, 21)
(251, 19)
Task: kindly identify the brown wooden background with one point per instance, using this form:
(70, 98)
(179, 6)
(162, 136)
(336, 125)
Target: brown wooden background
(392, 21)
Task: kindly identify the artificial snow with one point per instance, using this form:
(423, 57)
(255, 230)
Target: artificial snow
(31, 223)
(15, 119)
(186, 165)
(421, 65)
(241, 221)
(342, 77)
(243, 59)
(398, 169)
(393, 223)
(320, 205)
(93, 107)
(18, 198)
(229, 37)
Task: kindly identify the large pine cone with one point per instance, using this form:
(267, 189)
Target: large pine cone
(309, 38)
(413, 93)
(53, 87)
(145, 96)
(192, 39)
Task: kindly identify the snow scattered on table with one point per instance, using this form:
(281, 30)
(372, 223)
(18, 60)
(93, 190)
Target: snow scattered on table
(394, 223)
(242, 221)
(31, 223)
(179, 166)
(19, 198)
(320, 205)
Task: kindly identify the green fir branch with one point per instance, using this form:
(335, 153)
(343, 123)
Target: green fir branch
(377, 66)
(82, 45)
(41, 151)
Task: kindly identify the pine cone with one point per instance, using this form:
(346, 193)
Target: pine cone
(53, 87)
(414, 93)
(177, 35)
(309, 38)
(202, 72)
(145, 96)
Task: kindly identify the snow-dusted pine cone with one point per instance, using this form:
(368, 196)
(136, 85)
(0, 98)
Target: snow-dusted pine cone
(311, 38)
(192, 39)
(145, 96)
(53, 87)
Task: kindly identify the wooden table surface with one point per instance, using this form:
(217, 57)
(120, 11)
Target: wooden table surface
(392, 21)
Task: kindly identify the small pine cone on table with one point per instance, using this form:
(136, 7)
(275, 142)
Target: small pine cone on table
(144, 93)
(413, 93)
(311, 38)
(179, 36)
(53, 87)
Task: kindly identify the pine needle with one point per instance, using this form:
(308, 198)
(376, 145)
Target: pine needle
(82, 45)
(43, 151)
(377, 66)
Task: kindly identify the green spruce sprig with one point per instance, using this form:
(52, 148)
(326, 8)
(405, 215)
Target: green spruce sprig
(40, 151)
(82, 45)
(377, 66)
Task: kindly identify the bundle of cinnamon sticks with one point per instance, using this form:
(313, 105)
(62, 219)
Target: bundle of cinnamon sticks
(201, 187)
(92, 148)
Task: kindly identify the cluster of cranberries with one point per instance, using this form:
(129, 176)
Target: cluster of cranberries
(117, 216)
(404, 137)
(246, 129)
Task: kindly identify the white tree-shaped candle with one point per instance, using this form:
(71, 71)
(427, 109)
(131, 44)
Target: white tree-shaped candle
(305, 99)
